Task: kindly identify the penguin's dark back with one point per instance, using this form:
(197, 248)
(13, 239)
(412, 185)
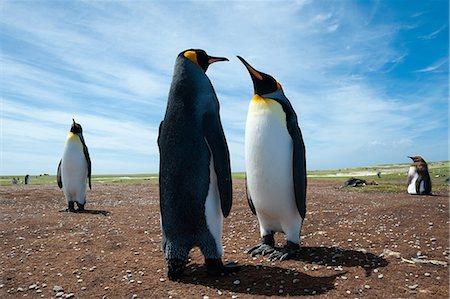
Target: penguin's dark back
(184, 154)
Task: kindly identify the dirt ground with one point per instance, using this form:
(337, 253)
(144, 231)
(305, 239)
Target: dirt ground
(354, 245)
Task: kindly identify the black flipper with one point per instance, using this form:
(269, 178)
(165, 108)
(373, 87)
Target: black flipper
(427, 183)
(249, 199)
(425, 178)
(159, 131)
(88, 159)
(58, 175)
(299, 159)
(217, 143)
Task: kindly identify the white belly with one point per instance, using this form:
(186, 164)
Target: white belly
(269, 165)
(412, 186)
(74, 171)
(213, 210)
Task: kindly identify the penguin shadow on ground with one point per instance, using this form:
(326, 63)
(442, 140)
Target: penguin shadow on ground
(334, 256)
(262, 280)
(95, 212)
(275, 281)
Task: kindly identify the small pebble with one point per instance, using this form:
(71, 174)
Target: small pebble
(205, 297)
(83, 288)
(59, 294)
(70, 295)
(134, 296)
(380, 276)
(162, 279)
(106, 288)
(19, 289)
(237, 282)
(413, 287)
(427, 274)
(57, 289)
(367, 286)
(33, 286)
(295, 280)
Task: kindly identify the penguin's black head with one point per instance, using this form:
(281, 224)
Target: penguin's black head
(262, 83)
(200, 58)
(76, 128)
(416, 158)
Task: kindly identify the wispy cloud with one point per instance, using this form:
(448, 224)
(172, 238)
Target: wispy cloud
(433, 34)
(441, 65)
(109, 65)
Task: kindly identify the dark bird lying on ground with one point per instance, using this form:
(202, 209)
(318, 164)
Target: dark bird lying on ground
(354, 182)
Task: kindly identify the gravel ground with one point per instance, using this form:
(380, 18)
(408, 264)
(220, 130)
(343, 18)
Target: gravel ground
(354, 245)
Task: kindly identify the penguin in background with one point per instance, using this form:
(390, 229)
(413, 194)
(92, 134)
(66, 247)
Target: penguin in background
(74, 169)
(276, 166)
(419, 181)
(195, 175)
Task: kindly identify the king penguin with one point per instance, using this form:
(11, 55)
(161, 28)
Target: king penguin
(74, 169)
(275, 165)
(195, 176)
(419, 181)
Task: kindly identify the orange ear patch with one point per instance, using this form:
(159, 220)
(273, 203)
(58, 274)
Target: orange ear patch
(191, 55)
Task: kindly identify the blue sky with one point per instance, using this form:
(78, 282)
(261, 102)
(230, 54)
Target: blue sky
(368, 79)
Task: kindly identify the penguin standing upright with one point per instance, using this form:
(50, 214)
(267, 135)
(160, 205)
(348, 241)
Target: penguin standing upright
(74, 169)
(195, 175)
(276, 166)
(419, 181)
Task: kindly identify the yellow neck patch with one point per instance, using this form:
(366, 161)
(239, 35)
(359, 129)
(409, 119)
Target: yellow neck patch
(192, 56)
(73, 137)
(260, 105)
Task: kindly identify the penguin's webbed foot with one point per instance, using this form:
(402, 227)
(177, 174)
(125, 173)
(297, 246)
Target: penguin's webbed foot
(261, 249)
(71, 206)
(215, 267)
(80, 207)
(176, 269)
(287, 252)
(266, 246)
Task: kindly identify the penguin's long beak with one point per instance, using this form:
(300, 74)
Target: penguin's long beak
(212, 59)
(412, 158)
(74, 123)
(253, 73)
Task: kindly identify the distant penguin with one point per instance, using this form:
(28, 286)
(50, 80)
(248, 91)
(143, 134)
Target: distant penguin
(74, 169)
(419, 181)
(276, 166)
(195, 176)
